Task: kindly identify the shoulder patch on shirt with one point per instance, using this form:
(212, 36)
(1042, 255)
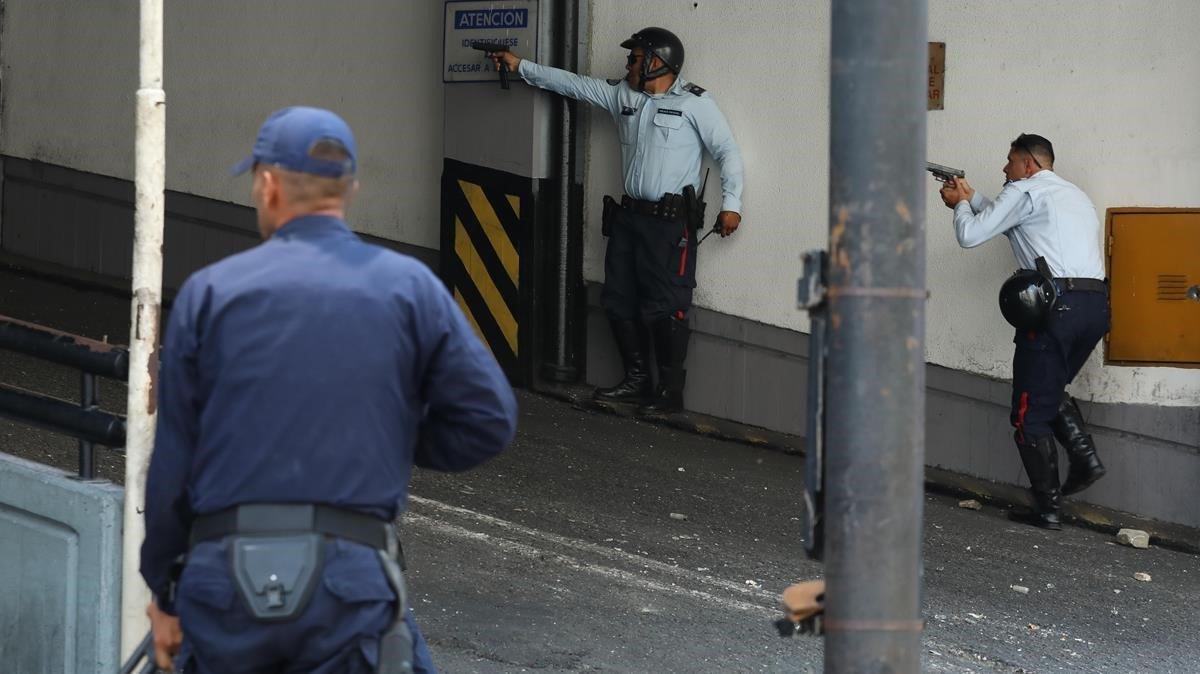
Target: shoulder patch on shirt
(664, 111)
(693, 88)
(614, 81)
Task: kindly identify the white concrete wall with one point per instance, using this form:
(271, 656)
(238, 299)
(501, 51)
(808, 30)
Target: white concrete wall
(1111, 83)
(70, 72)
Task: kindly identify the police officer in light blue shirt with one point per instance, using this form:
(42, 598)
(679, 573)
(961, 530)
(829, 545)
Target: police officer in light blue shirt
(665, 124)
(1053, 230)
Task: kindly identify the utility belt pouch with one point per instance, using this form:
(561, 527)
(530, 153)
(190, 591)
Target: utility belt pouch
(1043, 268)
(693, 208)
(276, 574)
(396, 644)
(611, 206)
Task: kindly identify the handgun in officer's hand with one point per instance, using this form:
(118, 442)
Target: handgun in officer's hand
(944, 174)
(495, 48)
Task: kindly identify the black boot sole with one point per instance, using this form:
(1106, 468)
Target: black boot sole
(1073, 487)
(1034, 519)
(626, 396)
(646, 411)
(621, 400)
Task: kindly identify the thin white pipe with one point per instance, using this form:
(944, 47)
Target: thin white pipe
(149, 184)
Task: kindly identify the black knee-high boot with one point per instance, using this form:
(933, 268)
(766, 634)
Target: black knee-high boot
(1081, 449)
(1040, 457)
(670, 350)
(635, 386)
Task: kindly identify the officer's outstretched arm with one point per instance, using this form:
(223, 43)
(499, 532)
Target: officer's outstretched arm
(591, 90)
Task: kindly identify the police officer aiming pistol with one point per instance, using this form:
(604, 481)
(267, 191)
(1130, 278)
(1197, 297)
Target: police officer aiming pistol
(1058, 303)
(301, 380)
(665, 124)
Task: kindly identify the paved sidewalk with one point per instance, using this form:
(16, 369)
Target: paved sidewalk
(563, 556)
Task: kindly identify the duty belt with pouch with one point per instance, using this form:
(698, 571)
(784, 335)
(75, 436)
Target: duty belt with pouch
(670, 207)
(686, 207)
(694, 205)
(608, 215)
(276, 558)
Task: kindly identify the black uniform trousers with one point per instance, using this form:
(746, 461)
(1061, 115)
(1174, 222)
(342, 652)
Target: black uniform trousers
(1046, 360)
(649, 268)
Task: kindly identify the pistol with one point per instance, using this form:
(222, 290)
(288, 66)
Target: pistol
(944, 174)
(492, 48)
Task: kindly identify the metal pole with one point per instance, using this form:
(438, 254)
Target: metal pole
(563, 369)
(87, 450)
(876, 312)
(149, 179)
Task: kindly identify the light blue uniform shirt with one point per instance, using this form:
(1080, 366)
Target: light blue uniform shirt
(1042, 216)
(663, 137)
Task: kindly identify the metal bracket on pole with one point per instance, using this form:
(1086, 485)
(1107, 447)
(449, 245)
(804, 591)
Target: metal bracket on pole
(811, 296)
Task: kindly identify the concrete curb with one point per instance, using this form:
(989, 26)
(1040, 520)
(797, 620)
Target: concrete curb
(1078, 513)
(580, 397)
(937, 480)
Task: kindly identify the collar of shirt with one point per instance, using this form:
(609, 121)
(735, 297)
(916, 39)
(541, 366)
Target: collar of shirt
(312, 227)
(677, 89)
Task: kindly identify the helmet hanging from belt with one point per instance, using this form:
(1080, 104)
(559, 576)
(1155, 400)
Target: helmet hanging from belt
(658, 42)
(1027, 298)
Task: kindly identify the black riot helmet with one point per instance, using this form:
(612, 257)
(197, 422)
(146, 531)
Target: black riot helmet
(1026, 299)
(658, 42)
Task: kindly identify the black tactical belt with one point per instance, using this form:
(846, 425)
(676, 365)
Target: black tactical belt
(279, 518)
(1093, 285)
(670, 207)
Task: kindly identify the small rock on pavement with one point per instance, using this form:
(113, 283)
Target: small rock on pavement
(1134, 538)
(970, 504)
(1142, 576)
(1020, 588)
(678, 516)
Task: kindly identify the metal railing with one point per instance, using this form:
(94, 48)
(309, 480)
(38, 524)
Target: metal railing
(84, 420)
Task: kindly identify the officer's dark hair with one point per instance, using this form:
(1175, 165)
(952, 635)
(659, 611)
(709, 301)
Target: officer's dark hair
(1038, 146)
(304, 187)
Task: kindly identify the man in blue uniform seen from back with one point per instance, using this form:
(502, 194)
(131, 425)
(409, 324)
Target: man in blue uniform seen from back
(665, 124)
(300, 382)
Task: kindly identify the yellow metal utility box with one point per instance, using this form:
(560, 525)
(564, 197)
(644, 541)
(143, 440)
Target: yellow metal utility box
(1154, 272)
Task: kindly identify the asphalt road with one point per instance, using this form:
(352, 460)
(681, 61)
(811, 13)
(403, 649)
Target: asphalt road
(562, 555)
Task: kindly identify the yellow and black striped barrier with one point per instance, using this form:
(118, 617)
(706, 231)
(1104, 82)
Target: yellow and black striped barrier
(486, 216)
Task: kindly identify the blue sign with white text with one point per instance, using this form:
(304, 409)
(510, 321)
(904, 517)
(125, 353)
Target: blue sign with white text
(491, 18)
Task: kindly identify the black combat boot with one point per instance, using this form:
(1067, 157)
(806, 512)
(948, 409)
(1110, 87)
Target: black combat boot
(670, 350)
(1081, 449)
(1041, 463)
(635, 387)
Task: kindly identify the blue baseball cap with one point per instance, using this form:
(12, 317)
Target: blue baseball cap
(288, 136)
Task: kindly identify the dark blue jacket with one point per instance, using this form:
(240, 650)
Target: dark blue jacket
(314, 368)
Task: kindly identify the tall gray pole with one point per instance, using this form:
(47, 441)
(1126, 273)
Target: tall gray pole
(875, 402)
(149, 184)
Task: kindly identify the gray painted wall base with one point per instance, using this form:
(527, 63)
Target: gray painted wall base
(755, 374)
(60, 571)
(62, 220)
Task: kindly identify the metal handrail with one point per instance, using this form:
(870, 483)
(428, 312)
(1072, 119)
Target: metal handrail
(81, 353)
(144, 655)
(85, 420)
